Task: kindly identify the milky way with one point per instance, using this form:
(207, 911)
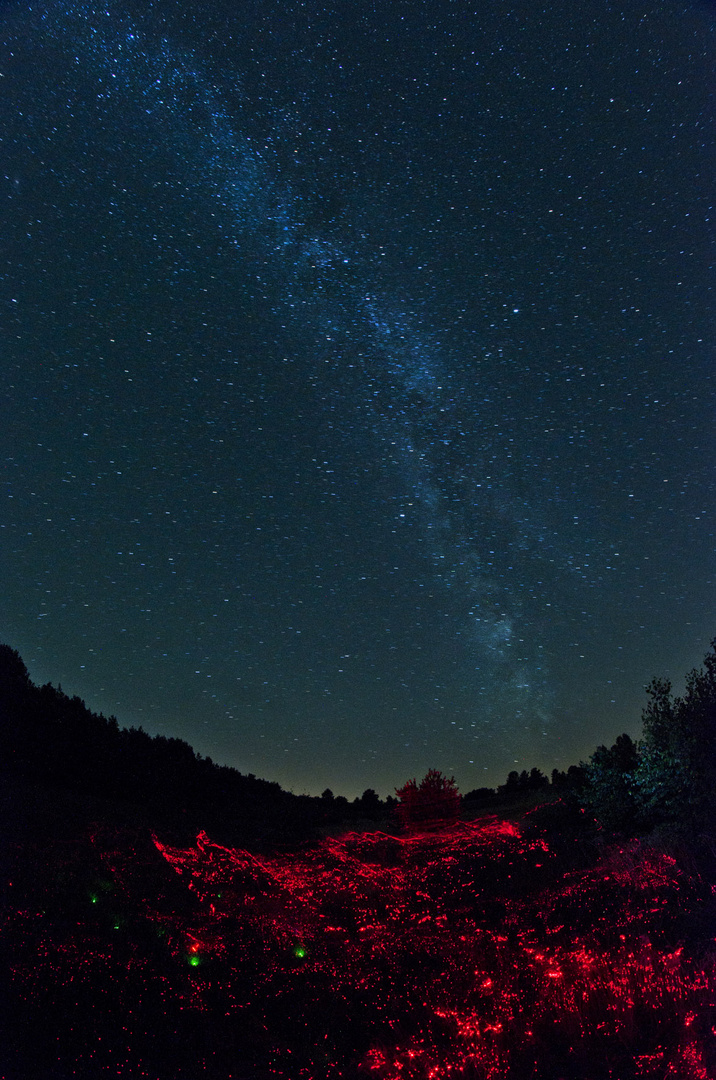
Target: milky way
(358, 385)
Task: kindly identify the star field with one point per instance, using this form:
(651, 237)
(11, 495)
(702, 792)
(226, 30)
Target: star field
(358, 375)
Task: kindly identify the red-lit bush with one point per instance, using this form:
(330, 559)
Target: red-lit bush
(434, 803)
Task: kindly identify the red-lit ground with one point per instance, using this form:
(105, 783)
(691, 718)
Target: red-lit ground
(470, 954)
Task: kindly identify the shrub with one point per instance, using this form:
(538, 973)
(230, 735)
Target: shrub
(434, 803)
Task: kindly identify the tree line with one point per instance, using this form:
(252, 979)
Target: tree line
(667, 780)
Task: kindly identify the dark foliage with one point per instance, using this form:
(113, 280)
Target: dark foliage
(608, 785)
(666, 782)
(570, 781)
(55, 741)
(520, 783)
(675, 777)
(479, 799)
(369, 805)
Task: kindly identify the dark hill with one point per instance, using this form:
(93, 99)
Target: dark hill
(53, 743)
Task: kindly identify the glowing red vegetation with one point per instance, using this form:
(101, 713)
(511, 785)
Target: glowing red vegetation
(460, 953)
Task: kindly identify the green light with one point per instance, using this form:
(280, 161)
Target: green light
(194, 961)
(299, 952)
(93, 899)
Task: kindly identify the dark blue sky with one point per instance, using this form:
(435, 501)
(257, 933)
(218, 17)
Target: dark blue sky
(357, 377)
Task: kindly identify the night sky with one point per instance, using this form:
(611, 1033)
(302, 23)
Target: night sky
(357, 374)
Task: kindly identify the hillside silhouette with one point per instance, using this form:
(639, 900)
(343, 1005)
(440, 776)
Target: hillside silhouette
(56, 743)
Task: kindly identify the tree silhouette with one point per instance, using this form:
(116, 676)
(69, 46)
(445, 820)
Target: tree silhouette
(434, 803)
(369, 804)
(519, 784)
(675, 779)
(609, 782)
